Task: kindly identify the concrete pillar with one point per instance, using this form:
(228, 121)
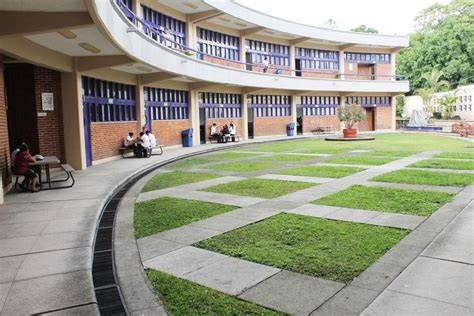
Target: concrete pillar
(242, 51)
(140, 105)
(394, 113)
(341, 64)
(191, 34)
(393, 70)
(194, 115)
(293, 110)
(73, 120)
(293, 60)
(342, 103)
(136, 7)
(245, 117)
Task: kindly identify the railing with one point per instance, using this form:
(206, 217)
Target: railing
(157, 35)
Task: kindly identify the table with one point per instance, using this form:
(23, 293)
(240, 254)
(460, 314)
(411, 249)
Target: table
(46, 162)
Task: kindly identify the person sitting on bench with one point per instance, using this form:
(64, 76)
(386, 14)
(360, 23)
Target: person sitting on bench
(214, 133)
(232, 131)
(225, 133)
(152, 139)
(21, 166)
(131, 143)
(144, 145)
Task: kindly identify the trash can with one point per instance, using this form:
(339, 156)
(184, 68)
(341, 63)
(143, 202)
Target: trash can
(290, 129)
(187, 136)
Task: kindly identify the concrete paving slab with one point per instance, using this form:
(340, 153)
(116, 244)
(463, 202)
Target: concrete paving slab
(231, 275)
(137, 294)
(401, 254)
(208, 183)
(404, 304)
(9, 267)
(295, 178)
(154, 311)
(278, 204)
(54, 262)
(404, 221)
(127, 259)
(291, 292)
(184, 261)
(69, 225)
(406, 186)
(378, 276)
(4, 288)
(152, 246)
(418, 238)
(351, 300)
(227, 199)
(188, 234)
(314, 210)
(90, 309)
(21, 229)
(16, 246)
(352, 215)
(252, 213)
(452, 284)
(222, 222)
(62, 241)
(41, 295)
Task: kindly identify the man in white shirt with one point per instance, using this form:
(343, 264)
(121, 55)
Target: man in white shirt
(265, 63)
(129, 142)
(214, 133)
(152, 139)
(145, 143)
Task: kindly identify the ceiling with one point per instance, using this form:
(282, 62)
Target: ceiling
(40, 5)
(186, 6)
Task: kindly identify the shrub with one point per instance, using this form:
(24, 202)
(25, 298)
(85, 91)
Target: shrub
(350, 114)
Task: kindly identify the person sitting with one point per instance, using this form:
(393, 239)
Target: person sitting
(214, 133)
(225, 133)
(21, 166)
(14, 153)
(145, 145)
(152, 139)
(232, 131)
(129, 142)
(168, 38)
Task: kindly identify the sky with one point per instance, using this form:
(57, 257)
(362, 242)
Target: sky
(389, 17)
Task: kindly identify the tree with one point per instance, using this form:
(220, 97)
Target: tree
(447, 103)
(444, 40)
(400, 102)
(365, 29)
(331, 24)
(426, 95)
(433, 84)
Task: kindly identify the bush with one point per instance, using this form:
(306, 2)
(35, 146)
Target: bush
(350, 114)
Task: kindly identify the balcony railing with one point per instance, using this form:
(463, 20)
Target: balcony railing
(157, 35)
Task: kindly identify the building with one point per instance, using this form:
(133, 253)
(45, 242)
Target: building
(463, 108)
(77, 75)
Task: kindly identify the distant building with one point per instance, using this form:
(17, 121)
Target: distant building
(463, 108)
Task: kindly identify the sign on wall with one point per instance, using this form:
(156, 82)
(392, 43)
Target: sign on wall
(47, 101)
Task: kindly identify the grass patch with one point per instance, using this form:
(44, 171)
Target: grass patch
(362, 160)
(444, 164)
(183, 297)
(422, 203)
(289, 158)
(323, 151)
(426, 177)
(333, 250)
(391, 153)
(241, 166)
(231, 155)
(155, 216)
(187, 163)
(469, 155)
(172, 179)
(321, 171)
(264, 188)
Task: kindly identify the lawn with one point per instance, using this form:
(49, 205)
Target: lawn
(172, 179)
(332, 250)
(183, 297)
(263, 188)
(155, 216)
(362, 160)
(390, 153)
(323, 151)
(412, 202)
(468, 155)
(241, 166)
(321, 171)
(231, 155)
(289, 158)
(444, 164)
(187, 163)
(426, 177)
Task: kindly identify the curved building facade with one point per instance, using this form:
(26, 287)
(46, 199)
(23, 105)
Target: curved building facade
(76, 76)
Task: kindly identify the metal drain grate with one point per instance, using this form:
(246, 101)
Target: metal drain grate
(102, 269)
(109, 301)
(107, 219)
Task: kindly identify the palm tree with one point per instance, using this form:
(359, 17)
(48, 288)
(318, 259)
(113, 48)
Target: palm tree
(434, 84)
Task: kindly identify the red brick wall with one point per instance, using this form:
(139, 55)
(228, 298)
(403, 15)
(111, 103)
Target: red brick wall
(224, 62)
(4, 145)
(168, 133)
(364, 125)
(267, 126)
(383, 69)
(107, 138)
(383, 118)
(348, 72)
(272, 69)
(50, 127)
(220, 123)
(327, 74)
(310, 122)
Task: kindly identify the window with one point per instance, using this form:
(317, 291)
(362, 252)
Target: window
(218, 44)
(364, 101)
(159, 21)
(270, 105)
(221, 105)
(277, 54)
(367, 57)
(166, 104)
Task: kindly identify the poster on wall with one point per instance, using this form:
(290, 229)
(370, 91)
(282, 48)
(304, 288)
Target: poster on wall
(47, 101)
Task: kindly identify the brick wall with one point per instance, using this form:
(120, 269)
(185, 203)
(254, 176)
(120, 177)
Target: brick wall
(348, 72)
(383, 69)
(223, 62)
(220, 123)
(4, 144)
(50, 127)
(267, 126)
(272, 69)
(326, 74)
(168, 133)
(383, 118)
(365, 124)
(310, 122)
(107, 138)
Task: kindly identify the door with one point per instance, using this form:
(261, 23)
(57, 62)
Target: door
(87, 132)
(370, 119)
(148, 124)
(248, 61)
(250, 124)
(202, 125)
(298, 67)
(299, 121)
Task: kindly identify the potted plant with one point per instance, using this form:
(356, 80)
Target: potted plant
(350, 114)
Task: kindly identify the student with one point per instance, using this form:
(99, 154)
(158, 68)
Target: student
(21, 166)
(145, 145)
(152, 139)
(232, 131)
(129, 142)
(265, 64)
(14, 153)
(225, 132)
(214, 133)
(169, 38)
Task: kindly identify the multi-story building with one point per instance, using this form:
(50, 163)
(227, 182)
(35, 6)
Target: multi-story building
(76, 76)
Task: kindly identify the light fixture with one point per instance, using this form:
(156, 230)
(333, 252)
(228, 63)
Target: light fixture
(67, 34)
(144, 69)
(224, 19)
(191, 5)
(89, 48)
(269, 32)
(240, 24)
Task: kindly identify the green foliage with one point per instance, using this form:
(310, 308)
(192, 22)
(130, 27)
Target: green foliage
(350, 114)
(434, 84)
(400, 102)
(444, 40)
(183, 297)
(321, 171)
(365, 29)
(333, 250)
(444, 164)
(363, 160)
(447, 102)
(172, 179)
(426, 177)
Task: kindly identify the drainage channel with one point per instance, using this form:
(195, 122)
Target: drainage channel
(107, 290)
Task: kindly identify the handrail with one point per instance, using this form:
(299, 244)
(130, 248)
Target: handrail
(155, 34)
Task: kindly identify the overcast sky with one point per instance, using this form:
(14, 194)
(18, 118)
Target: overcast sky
(389, 17)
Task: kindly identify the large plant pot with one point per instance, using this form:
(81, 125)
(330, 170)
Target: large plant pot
(349, 132)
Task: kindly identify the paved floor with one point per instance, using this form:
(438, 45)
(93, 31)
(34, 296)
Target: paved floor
(45, 249)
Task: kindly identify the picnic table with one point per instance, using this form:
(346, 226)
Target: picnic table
(45, 164)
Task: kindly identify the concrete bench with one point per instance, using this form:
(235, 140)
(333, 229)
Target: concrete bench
(228, 138)
(124, 150)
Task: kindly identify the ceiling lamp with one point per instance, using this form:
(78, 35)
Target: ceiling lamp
(144, 69)
(191, 5)
(240, 24)
(67, 34)
(89, 47)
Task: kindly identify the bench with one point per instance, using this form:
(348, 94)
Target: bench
(124, 150)
(214, 140)
(325, 129)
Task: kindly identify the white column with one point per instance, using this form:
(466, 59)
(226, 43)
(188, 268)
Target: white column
(140, 105)
(394, 113)
(292, 60)
(342, 103)
(393, 70)
(341, 64)
(194, 115)
(293, 111)
(245, 121)
(242, 51)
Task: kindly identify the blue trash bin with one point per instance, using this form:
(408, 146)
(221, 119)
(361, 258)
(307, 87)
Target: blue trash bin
(290, 129)
(187, 136)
